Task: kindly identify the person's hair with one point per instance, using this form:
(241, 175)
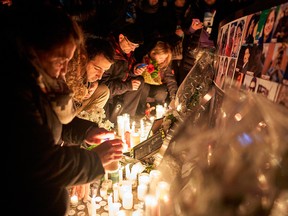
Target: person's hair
(133, 32)
(99, 46)
(255, 18)
(162, 48)
(46, 27)
(76, 74)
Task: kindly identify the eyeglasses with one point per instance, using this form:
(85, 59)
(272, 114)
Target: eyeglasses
(132, 45)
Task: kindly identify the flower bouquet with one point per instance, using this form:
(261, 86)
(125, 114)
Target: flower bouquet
(98, 116)
(151, 74)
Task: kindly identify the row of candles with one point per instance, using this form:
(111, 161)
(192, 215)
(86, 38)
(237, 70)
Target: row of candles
(132, 134)
(148, 188)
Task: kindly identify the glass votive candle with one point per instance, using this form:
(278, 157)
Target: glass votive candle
(120, 126)
(126, 186)
(103, 192)
(143, 178)
(141, 191)
(155, 176)
(74, 200)
(127, 201)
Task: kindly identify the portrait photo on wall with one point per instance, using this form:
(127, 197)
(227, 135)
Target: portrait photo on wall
(281, 25)
(275, 65)
(237, 40)
(266, 25)
(251, 28)
(265, 87)
(244, 59)
(253, 52)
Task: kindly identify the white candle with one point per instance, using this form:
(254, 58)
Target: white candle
(120, 126)
(134, 139)
(120, 175)
(133, 127)
(127, 200)
(93, 207)
(141, 191)
(115, 192)
(162, 192)
(74, 200)
(143, 178)
(125, 187)
(150, 205)
(159, 111)
(127, 171)
(110, 205)
(103, 192)
(142, 128)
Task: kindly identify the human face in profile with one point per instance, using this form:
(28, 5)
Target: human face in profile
(126, 45)
(55, 61)
(96, 68)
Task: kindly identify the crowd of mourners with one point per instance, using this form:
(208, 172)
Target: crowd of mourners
(59, 58)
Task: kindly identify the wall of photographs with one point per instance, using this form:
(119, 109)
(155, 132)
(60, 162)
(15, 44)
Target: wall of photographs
(252, 53)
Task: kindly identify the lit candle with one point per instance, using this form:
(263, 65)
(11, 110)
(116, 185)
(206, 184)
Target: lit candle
(127, 201)
(115, 192)
(74, 200)
(150, 205)
(120, 126)
(141, 191)
(159, 111)
(110, 205)
(93, 207)
(127, 171)
(134, 139)
(142, 128)
(120, 175)
(143, 178)
(103, 192)
(125, 187)
(133, 127)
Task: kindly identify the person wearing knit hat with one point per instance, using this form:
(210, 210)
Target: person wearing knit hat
(124, 77)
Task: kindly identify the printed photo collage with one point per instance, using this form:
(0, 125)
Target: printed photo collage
(252, 54)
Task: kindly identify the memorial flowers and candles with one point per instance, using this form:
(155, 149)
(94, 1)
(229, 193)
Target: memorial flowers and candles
(98, 116)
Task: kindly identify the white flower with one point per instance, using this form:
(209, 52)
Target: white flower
(98, 116)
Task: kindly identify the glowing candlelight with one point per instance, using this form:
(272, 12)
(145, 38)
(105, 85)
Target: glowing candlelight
(120, 175)
(141, 191)
(127, 201)
(93, 207)
(74, 200)
(133, 127)
(127, 171)
(115, 192)
(143, 178)
(159, 111)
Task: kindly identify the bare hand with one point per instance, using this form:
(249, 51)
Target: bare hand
(135, 84)
(109, 151)
(82, 191)
(139, 71)
(96, 135)
(196, 24)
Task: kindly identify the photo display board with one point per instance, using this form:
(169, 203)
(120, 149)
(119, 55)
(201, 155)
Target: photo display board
(252, 53)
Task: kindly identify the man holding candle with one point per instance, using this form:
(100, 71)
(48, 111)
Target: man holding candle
(37, 42)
